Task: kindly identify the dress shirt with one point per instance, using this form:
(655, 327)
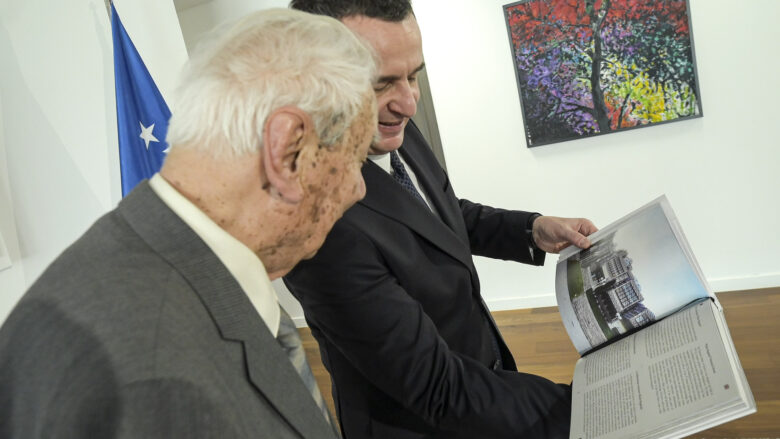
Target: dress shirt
(241, 262)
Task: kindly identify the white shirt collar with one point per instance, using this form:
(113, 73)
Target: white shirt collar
(241, 262)
(383, 161)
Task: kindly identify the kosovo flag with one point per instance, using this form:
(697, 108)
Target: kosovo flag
(142, 114)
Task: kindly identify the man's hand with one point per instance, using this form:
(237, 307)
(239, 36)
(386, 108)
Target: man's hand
(552, 234)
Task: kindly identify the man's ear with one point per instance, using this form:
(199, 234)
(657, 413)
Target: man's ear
(287, 131)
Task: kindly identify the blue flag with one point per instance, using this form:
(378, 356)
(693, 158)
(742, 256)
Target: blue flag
(141, 112)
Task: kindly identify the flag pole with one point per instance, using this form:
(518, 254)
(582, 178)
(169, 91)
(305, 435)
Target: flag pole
(108, 8)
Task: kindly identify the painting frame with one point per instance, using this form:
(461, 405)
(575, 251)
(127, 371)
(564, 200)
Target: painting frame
(642, 78)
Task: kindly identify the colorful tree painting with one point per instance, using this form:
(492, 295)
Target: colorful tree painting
(589, 67)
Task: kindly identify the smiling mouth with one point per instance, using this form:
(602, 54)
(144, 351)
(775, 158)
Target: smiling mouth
(391, 124)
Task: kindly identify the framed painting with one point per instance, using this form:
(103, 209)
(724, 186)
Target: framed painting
(592, 67)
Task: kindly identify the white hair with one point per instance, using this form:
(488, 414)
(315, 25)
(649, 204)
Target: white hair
(267, 60)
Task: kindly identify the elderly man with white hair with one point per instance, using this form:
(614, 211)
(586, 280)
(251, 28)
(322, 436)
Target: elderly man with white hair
(160, 321)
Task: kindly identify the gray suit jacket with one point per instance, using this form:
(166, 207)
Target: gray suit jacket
(138, 330)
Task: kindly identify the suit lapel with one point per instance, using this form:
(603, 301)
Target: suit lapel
(447, 207)
(388, 198)
(269, 369)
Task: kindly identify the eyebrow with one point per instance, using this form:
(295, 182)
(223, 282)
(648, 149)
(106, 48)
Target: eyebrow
(392, 78)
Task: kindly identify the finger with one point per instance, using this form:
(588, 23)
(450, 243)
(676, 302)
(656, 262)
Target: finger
(586, 227)
(578, 239)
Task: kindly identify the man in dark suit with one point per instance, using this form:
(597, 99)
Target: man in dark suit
(160, 321)
(393, 296)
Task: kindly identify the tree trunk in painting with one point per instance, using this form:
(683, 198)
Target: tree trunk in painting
(599, 107)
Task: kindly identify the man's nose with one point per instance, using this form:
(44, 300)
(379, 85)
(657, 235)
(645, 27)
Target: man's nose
(405, 100)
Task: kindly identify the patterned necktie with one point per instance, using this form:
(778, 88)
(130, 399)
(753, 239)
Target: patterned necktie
(290, 341)
(402, 177)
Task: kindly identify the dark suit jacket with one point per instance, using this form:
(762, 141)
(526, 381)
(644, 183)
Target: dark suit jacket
(138, 331)
(393, 299)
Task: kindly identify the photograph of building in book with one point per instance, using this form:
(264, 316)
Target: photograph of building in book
(591, 67)
(610, 301)
(631, 277)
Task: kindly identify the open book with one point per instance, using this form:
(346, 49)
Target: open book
(657, 357)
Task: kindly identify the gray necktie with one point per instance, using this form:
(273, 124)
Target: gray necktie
(402, 177)
(290, 341)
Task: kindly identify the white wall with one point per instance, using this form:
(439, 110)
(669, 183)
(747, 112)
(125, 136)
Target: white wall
(721, 172)
(59, 163)
(57, 120)
(197, 21)
(11, 278)
(60, 172)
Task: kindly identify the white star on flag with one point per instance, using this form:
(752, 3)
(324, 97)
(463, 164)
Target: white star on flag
(146, 134)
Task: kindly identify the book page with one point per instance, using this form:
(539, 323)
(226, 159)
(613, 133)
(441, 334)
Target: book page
(676, 374)
(638, 270)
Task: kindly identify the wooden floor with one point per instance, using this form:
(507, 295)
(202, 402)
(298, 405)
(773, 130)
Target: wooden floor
(540, 345)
